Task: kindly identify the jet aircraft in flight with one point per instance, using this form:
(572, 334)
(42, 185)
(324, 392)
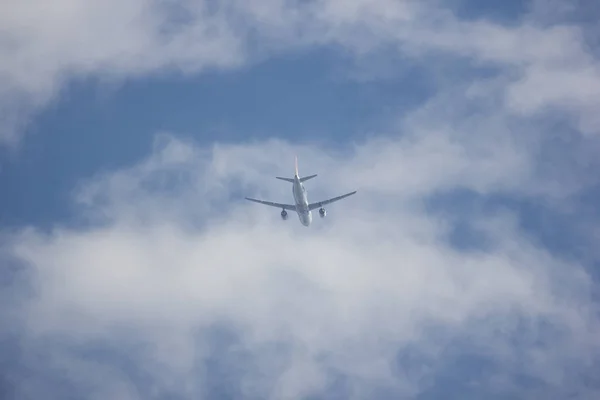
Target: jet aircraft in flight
(302, 207)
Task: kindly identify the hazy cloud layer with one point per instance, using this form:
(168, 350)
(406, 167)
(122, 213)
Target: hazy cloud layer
(173, 286)
(375, 293)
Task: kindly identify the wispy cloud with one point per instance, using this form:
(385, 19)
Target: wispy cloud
(46, 47)
(169, 258)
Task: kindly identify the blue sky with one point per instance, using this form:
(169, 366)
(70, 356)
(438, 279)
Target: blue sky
(465, 266)
(241, 105)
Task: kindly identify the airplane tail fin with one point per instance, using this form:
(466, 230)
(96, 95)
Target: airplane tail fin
(305, 178)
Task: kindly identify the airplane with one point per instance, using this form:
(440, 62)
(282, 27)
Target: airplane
(302, 207)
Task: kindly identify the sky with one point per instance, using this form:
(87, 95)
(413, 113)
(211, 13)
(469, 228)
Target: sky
(466, 266)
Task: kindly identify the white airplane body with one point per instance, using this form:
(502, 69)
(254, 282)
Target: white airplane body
(301, 205)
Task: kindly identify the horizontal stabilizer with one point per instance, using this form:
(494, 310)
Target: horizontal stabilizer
(307, 178)
(285, 179)
(303, 179)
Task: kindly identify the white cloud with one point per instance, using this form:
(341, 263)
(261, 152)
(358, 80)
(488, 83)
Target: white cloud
(167, 253)
(43, 46)
(343, 296)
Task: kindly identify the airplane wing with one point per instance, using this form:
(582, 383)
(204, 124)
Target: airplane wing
(319, 204)
(270, 203)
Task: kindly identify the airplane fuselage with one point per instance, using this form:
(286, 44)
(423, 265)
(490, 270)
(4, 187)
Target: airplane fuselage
(301, 200)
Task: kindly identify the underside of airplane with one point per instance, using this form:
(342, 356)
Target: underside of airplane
(302, 207)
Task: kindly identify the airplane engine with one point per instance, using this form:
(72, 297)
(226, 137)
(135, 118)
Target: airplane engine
(284, 215)
(322, 212)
